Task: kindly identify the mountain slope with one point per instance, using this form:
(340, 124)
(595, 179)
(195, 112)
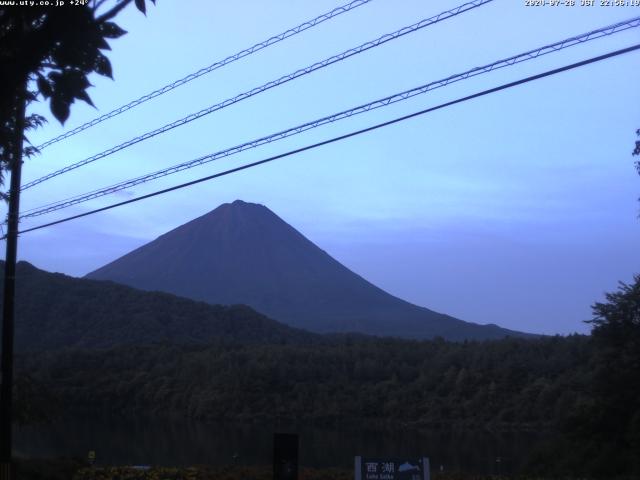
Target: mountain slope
(56, 311)
(244, 253)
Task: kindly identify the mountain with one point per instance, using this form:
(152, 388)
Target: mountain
(55, 311)
(243, 253)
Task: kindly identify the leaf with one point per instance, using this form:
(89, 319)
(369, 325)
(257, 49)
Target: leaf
(141, 6)
(60, 109)
(31, 96)
(44, 86)
(34, 121)
(30, 151)
(103, 66)
(102, 44)
(88, 60)
(83, 95)
(111, 30)
(55, 75)
(76, 81)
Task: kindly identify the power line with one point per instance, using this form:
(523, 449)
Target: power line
(531, 54)
(343, 137)
(214, 66)
(274, 83)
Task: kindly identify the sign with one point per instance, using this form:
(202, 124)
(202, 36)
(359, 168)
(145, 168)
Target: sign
(392, 468)
(91, 456)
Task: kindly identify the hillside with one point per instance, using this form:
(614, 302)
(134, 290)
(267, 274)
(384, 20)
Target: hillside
(502, 384)
(56, 311)
(244, 253)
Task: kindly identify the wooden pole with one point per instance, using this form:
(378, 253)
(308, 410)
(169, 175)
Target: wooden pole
(8, 304)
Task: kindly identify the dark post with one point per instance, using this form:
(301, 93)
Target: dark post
(285, 456)
(15, 163)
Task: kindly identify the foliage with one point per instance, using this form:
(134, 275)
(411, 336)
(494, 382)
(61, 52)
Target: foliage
(75, 470)
(149, 353)
(603, 433)
(58, 48)
(507, 384)
(613, 422)
(34, 404)
(57, 311)
(49, 469)
(51, 51)
(245, 473)
(636, 151)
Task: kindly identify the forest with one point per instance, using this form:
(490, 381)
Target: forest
(133, 353)
(511, 384)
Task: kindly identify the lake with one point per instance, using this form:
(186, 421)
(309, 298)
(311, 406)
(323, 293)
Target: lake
(183, 442)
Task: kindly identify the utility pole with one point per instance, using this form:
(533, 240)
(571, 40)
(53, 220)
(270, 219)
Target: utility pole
(8, 306)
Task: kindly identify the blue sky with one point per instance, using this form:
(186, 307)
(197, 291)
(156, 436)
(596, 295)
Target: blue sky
(519, 208)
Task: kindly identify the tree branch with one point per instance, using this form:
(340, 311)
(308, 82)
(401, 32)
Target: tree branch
(114, 11)
(97, 4)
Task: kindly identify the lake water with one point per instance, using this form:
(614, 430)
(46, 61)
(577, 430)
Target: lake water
(182, 443)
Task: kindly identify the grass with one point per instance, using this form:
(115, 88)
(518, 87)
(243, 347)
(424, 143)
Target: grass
(250, 473)
(73, 469)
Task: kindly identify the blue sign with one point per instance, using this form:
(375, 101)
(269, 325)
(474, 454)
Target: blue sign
(392, 468)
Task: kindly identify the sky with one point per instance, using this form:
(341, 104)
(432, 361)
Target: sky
(519, 208)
